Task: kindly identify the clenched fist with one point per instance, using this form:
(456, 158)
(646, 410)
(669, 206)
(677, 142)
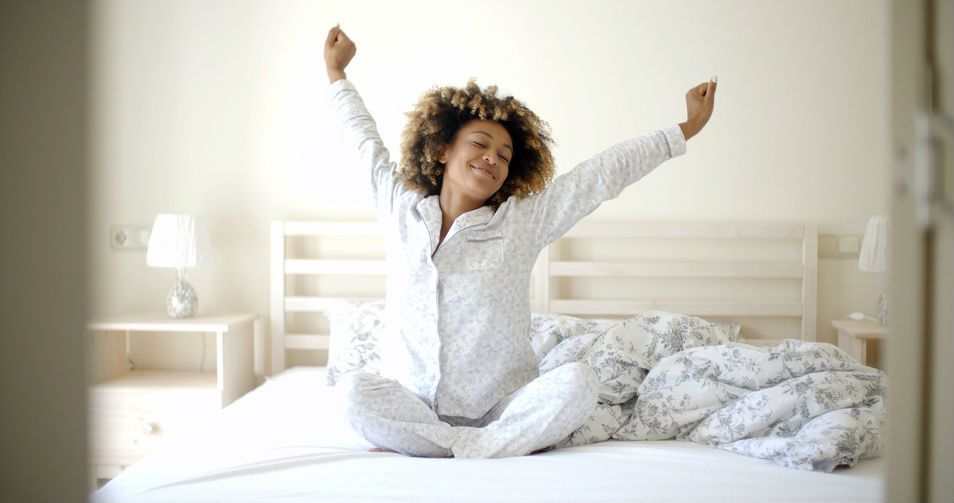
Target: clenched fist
(700, 101)
(339, 49)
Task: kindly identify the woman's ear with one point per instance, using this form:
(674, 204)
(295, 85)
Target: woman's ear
(442, 158)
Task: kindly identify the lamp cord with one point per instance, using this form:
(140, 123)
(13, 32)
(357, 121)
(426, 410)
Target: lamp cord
(202, 362)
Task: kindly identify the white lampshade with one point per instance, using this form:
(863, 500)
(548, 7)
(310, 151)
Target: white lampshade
(874, 248)
(177, 240)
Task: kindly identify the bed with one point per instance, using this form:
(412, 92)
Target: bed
(287, 439)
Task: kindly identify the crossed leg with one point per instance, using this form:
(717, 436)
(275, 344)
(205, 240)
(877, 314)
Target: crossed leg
(390, 416)
(536, 416)
(532, 418)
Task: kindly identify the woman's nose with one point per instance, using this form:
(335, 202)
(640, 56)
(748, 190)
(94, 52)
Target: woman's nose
(491, 158)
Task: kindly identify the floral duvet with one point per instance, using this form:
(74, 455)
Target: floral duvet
(805, 405)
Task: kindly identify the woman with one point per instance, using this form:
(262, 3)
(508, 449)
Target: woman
(467, 211)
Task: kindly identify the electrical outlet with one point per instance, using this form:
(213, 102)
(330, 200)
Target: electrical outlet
(132, 236)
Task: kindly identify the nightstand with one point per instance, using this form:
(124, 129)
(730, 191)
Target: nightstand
(133, 410)
(854, 336)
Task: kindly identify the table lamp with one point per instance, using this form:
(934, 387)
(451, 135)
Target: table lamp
(874, 257)
(178, 241)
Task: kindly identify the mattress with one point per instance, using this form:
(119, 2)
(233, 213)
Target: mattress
(287, 441)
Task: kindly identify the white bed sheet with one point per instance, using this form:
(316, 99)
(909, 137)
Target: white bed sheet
(287, 441)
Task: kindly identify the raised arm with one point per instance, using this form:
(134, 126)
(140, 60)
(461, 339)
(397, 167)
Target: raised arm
(339, 49)
(357, 124)
(573, 195)
(700, 101)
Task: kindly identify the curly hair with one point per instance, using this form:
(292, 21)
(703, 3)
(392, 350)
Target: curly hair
(440, 112)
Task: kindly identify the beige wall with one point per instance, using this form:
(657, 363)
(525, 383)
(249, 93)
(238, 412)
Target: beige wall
(218, 107)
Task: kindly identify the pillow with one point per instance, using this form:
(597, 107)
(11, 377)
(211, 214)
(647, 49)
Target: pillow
(354, 345)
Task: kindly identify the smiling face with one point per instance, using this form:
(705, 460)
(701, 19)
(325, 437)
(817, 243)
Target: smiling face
(477, 160)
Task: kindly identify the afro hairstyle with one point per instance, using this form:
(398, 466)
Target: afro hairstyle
(441, 111)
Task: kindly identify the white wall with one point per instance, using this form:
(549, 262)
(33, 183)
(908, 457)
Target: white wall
(218, 107)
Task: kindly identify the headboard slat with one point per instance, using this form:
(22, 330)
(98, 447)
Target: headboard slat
(686, 230)
(277, 318)
(810, 284)
(692, 308)
(337, 267)
(333, 229)
(678, 269)
(317, 304)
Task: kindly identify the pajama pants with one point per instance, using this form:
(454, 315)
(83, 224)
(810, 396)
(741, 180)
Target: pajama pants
(536, 416)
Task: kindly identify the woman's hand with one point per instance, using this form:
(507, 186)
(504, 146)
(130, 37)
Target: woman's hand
(339, 49)
(699, 103)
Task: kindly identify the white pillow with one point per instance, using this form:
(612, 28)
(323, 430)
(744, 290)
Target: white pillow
(355, 334)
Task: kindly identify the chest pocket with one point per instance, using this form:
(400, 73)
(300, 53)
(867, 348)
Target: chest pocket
(485, 250)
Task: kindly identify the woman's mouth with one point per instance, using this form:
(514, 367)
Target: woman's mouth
(483, 171)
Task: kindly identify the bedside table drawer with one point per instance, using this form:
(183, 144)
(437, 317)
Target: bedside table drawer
(120, 437)
(128, 422)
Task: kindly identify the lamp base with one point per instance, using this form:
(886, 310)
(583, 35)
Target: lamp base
(182, 301)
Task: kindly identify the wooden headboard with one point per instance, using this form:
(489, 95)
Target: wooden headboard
(585, 274)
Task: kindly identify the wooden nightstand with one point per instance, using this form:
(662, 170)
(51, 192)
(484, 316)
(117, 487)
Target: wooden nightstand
(133, 411)
(854, 335)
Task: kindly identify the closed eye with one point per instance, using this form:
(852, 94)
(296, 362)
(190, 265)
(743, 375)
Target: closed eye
(481, 145)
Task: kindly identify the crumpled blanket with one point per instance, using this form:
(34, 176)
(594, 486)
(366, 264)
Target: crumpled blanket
(804, 405)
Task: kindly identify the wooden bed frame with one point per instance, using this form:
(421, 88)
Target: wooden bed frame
(554, 266)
